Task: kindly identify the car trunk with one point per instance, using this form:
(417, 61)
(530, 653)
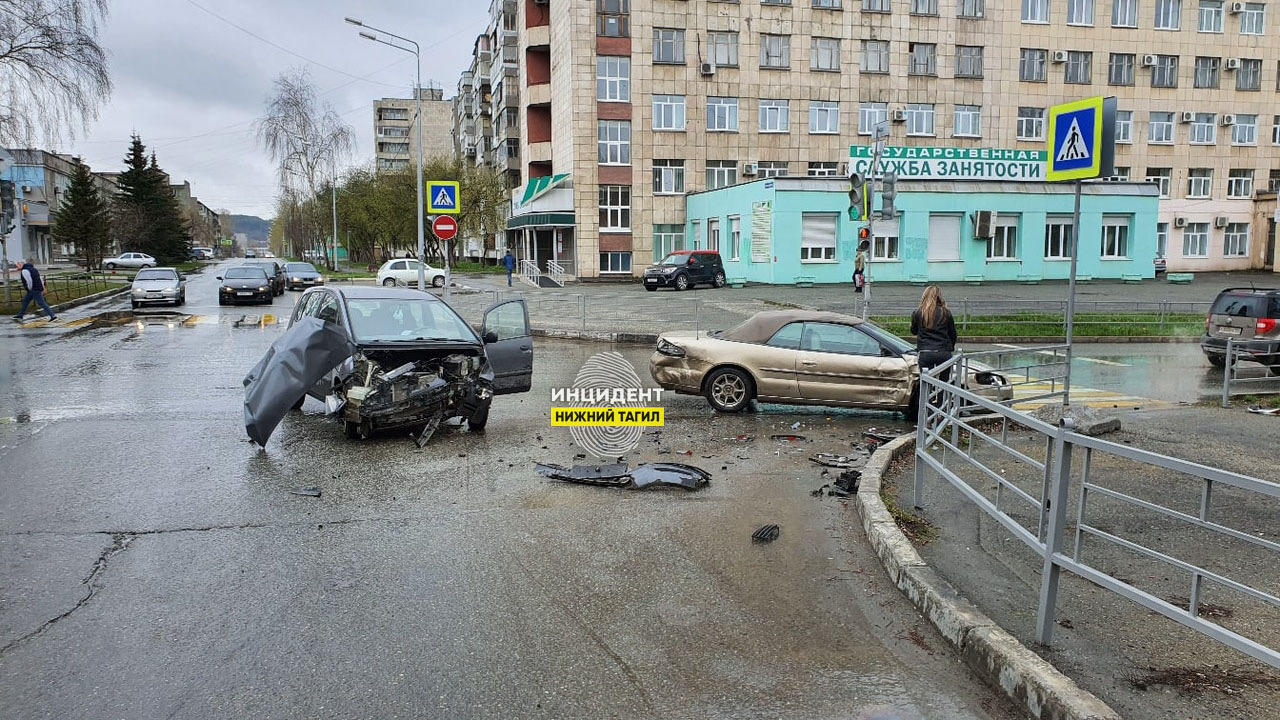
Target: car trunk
(1244, 317)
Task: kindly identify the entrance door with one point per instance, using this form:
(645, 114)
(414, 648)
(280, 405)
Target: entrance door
(1270, 258)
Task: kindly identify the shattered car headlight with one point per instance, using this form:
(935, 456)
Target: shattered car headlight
(670, 349)
(989, 378)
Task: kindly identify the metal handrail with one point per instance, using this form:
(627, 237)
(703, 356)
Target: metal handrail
(530, 273)
(556, 272)
(1231, 366)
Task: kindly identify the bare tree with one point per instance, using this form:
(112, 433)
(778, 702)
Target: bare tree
(53, 72)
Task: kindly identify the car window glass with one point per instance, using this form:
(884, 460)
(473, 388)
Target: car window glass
(412, 264)
(154, 274)
(397, 265)
(1274, 311)
(1238, 305)
(843, 339)
(693, 259)
(405, 319)
(788, 336)
(309, 305)
(327, 309)
(507, 320)
(246, 273)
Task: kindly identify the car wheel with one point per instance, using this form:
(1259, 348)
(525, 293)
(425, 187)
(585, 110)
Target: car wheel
(651, 288)
(682, 282)
(719, 280)
(1218, 361)
(729, 389)
(301, 400)
(351, 430)
(389, 282)
(437, 281)
(479, 419)
(134, 305)
(111, 266)
(912, 411)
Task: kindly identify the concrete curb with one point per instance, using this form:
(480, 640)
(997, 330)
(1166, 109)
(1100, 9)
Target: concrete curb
(60, 307)
(995, 655)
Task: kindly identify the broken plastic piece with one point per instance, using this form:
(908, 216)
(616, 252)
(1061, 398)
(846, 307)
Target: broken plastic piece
(612, 475)
(669, 475)
(307, 491)
(834, 461)
(788, 438)
(768, 533)
(428, 430)
(849, 480)
(1264, 411)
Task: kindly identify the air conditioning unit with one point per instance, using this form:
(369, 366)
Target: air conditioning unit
(899, 115)
(1148, 60)
(471, 151)
(708, 68)
(1179, 222)
(1188, 117)
(1221, 222)
(1059, 56)
(1228, 119)
(749, 169)
(1237, 8)
(984, 224)
(1233, 63)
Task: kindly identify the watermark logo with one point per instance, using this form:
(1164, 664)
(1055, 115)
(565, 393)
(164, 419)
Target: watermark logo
(607, 410)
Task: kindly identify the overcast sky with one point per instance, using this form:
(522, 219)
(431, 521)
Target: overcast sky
(191, 85)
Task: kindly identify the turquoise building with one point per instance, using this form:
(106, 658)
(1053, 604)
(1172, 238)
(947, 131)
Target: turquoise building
(797, 229)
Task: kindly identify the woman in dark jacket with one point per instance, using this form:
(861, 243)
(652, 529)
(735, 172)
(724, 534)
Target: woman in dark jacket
(935, 331)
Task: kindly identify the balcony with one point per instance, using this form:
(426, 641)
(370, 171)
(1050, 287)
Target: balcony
(538, 94)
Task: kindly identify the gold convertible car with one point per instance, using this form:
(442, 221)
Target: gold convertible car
(804, 358)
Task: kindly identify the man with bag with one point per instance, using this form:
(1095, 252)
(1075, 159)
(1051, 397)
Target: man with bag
(34, 285)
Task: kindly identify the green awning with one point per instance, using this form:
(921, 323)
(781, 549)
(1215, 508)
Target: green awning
(540, 186)
(541, 219)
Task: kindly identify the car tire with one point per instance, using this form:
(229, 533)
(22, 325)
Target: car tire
(682, 282)
(389, 282)
(912, 411)
(718, 281)
(134, 306)
(651, 288)
(1218, 361)
(301, 400)
(182, 300)
(437, 281)
(351, 430)
(111, 266)
(478, 419)
(729, 389)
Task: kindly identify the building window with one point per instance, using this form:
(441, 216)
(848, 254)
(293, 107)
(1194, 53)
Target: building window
(397, 132)
(1057, 237)
(824, 169)
(722, 47)
(943, 244)
(713, 234)
(1160, 128)
(1030, 123)
(1245, 130)
(1240, 183)
(722, 114)
(1207, 72)
(972, 9)
(1168, 14)
(1162, 177)
(818, 237)
(1124, 126)
(668, 177)
(1273, 181)
(1204, 129)
(871, 114)
(919, 118)
(613, 18)
(1195, 240)
(1249, 76)
(1031, 66)
(395, 148)
(924, 7)
(1164, 74)
(1162, 239)
(393, 163)
(968, 121)
(615, 207)
(393, 113)
(875, 56)
(879, 6)
(923, 59)
(1035, 11)
(827, 4)
(1199, 182)
(721, 173)
(1079, 68)
(969, 61)
(774, 116)
(613, 142)
(884, 241)
(772, 168)
(615, 262)
(775, 51)
(1079, 12)
(1122, 173)
(1235, 241)
(1120, 69)
(1210, 16)
(613, 79)
(825, 54)
(1124, 13)
(1252, 19)
(824, 117)
(668, 112)
(666, 240)
(1003, 243)
(1115, 237)
(696, 226)
(668, 46)
(735, 238)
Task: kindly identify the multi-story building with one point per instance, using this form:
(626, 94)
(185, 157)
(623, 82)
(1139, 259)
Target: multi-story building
(41, 179)
(395, 132)
(628, 105)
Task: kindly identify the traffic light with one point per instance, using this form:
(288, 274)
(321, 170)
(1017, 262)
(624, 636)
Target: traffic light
(858, 197)
(888, 191)
(7, 196)
(864, 233)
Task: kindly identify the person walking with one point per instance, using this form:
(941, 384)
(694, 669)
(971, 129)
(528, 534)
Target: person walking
(34, 285)
(860, 266)
(935, 331)
(510, 263)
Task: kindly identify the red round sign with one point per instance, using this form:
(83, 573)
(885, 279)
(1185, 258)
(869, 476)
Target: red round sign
(444, 227)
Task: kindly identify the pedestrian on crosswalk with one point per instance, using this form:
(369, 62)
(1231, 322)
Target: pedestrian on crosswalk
(34, 285)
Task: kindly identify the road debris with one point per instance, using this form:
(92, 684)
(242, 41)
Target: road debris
(643, 477)
(669, 475)
(843, 462)
(789, 438)
(1087, 421)
(768, 533)
(1275, 412)
(306, 491)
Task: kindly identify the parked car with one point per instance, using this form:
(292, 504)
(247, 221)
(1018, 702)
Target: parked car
(802, 357)
(1244, 314)
(1161, 265)
(275, 270)
(684, 269)
(245, 283)
(158, 285)
(405, 272)
(249, 254)
(416, 362)
(129, 260)
(203, 253)
(301, 275)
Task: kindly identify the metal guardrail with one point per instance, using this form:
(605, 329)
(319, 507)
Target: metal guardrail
(1030, 368)
(530, 273)
(556, 272)
(1044, 502)
(1236, 349)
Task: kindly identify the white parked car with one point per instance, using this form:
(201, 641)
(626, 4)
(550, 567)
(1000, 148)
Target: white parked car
(129, 260)
(405, 272)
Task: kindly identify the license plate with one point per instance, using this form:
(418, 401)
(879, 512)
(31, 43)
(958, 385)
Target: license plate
(153, 296)
(1229, 330)
(651, 280)
(244, 293)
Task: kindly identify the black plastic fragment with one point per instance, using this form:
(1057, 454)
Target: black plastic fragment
(307, 491)
(669, 475)
(768, 533)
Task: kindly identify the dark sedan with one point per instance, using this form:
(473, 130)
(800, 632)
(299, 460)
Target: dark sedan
(274, 270)
(301, 275)
(247, 283)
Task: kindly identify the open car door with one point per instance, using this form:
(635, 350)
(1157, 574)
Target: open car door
(509, 346)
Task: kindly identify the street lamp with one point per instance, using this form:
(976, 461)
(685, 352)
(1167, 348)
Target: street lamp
(417, 94)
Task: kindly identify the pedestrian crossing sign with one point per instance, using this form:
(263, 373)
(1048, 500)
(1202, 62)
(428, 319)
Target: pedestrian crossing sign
(1081, 139)
(442, 197)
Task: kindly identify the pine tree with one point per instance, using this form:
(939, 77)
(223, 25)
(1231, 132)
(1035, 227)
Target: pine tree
(147, 216)
(84, 218)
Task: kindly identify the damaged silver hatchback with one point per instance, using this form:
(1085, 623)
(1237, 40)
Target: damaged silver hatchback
(413, 362)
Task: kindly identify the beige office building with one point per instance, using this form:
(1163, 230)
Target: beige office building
(628, 105)
(395, 134)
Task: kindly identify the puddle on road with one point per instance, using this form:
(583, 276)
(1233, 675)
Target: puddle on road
(144, 321)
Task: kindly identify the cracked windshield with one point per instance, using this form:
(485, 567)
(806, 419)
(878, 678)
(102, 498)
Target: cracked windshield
(886, 360)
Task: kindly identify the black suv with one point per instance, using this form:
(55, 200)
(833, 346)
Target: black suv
(1244, 314)
(684, 269)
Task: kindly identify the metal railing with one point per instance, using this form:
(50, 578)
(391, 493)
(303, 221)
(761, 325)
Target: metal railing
(530, 273)
(1238, 350)
(556, 272)
(1040, 371)
(969, 315)
(65, 287)
(1033, 505)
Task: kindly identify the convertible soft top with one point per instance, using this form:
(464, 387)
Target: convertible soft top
(760, 327)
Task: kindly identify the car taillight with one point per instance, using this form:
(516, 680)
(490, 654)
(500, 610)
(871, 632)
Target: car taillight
(1266, 325)
(1207, 318)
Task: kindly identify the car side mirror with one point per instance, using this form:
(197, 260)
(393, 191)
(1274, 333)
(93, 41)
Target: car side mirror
(490, 337)
(219, 277)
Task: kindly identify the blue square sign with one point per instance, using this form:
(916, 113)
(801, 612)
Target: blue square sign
(1078, 139)
(442, 197)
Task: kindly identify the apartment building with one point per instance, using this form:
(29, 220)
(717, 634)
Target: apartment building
(395, 130)
(486, 124)
(628, 105)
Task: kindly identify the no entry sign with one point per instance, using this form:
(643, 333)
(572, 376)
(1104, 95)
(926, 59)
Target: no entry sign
(444, 227)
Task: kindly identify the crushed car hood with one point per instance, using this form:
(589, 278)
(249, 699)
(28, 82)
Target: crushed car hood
(295, 362)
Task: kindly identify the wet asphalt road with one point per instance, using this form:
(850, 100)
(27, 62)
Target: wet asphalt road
(155, 564)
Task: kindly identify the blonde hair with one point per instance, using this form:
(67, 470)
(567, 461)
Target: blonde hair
(930, 303)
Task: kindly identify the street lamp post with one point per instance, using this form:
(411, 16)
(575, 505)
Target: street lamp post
(417, 94)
